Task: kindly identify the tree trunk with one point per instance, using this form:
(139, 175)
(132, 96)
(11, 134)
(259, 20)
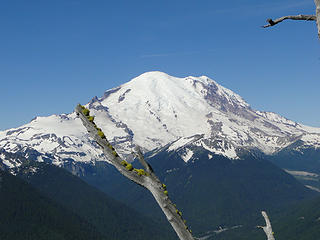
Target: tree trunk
(144, 177)
(317, 2)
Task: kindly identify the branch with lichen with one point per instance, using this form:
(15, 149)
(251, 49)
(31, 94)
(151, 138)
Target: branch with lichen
(144, 177)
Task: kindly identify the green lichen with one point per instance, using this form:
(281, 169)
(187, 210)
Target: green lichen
(165, 192)
(180, 213)
(129, 167)
(114, 153)
(91, 118)
(124, 163)
(110, 146)
(164, 186)
(86, 111)
(101, 134)
(140, 172)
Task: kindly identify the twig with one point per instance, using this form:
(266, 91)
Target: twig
(143, 162)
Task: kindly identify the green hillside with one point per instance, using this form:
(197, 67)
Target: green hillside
(298, 222)
(211, 193)
(27, 214)
(110, 217)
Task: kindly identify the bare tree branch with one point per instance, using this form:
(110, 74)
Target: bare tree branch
(268, 228)
(144, 177)
(296, 17)
(299, 17)
(143, 162)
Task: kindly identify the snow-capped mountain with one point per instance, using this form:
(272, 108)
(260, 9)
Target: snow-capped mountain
(154, 110)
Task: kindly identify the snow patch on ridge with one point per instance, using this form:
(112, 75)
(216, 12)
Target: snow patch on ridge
(229, 151)
(312, 139)
(301, 173)
(8, 162)
(313, 188)
(276, 118)
(181, 142)
(187, 155)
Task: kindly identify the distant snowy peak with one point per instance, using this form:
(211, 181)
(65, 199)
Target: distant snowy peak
(162, 87)
(155, 110)
(56, 138)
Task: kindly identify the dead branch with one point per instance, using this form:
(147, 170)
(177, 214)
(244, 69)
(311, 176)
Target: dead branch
(143, 162)
(268, 228)
(144, 177)
(296, 17)
(299, 17)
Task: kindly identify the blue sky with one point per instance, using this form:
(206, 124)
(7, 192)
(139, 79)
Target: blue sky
(55, 54)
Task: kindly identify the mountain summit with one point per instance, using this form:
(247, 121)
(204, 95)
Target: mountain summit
(155, 110)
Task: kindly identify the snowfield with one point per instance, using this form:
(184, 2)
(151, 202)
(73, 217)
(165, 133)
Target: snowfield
(154, 110)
